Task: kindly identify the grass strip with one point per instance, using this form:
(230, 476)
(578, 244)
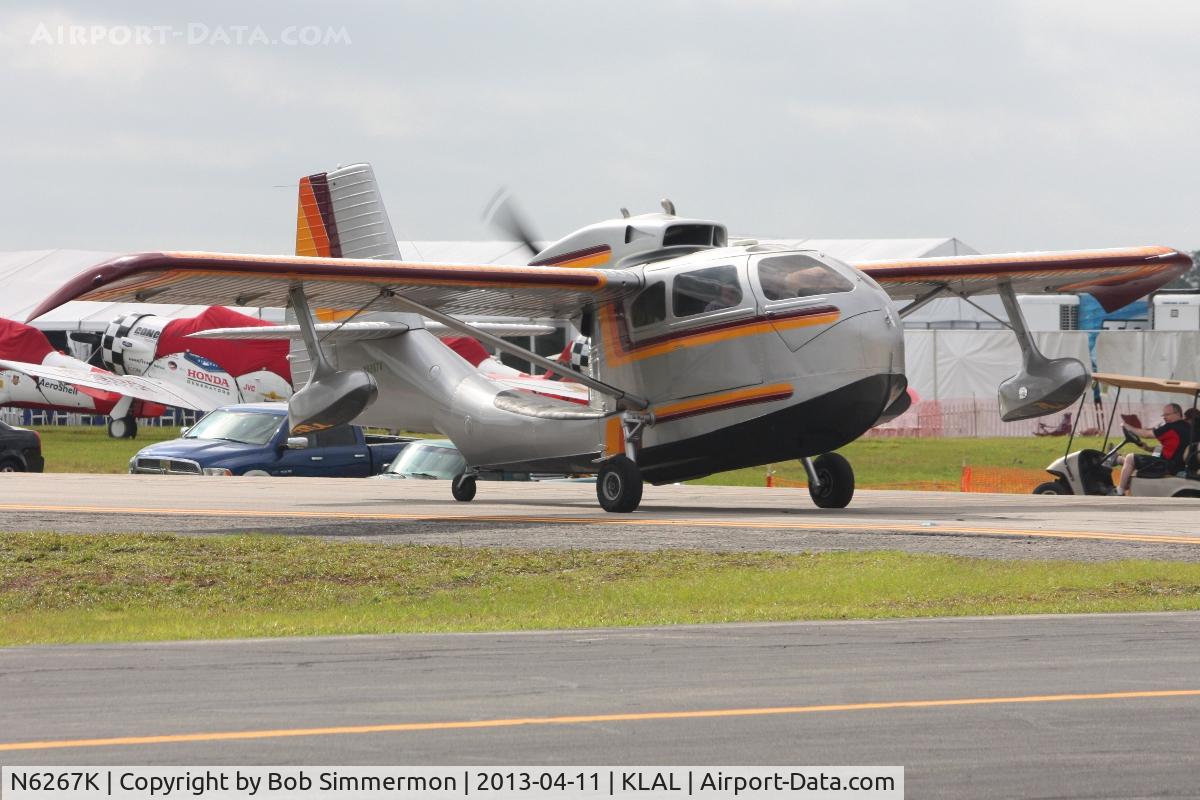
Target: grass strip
(885, 463)
(877, 462)
(87, 448)
(103, 588)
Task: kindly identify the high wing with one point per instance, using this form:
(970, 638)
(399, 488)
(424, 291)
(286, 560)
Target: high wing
(344, 284)
(1114, 277)
(129, 385)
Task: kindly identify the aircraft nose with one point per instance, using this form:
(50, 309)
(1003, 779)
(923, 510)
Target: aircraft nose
(882, 336)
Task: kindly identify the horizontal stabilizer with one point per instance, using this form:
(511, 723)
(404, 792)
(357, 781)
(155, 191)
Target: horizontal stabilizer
(556, 390)
(368, 330)
(532, 405)
(134, 386)
(494, 328)
(354, 331)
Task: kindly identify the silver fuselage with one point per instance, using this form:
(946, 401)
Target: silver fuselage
(757, 381)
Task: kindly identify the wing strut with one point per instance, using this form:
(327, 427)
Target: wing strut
(923, 300)
(624, 399)
(967, 298)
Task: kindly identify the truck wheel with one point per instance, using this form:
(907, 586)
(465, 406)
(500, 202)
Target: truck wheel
(619, 485)
(463, 488)
(1053, 487)
(123, 428)
(11, 465)
(837, 481)
(256, 473)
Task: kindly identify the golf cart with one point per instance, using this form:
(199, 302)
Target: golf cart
(1090, 471)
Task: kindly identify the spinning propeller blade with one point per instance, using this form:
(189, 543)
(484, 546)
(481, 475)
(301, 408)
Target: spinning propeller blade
(502, 212)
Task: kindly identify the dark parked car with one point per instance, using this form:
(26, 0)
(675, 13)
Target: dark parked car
(20, 450)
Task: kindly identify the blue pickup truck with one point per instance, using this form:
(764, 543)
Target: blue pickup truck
(252, 439)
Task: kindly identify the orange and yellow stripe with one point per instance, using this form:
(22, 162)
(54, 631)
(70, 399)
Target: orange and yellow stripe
(619, 350)
(316, 230)
(722, 401)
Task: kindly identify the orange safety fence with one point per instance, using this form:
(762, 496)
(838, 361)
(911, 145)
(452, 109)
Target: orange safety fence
(993, 480)
(1002, 480)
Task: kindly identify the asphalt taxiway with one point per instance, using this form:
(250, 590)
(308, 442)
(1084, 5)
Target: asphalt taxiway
(567, 515)
(1069, 706)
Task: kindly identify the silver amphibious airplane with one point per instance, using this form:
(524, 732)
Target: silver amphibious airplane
(706, 355)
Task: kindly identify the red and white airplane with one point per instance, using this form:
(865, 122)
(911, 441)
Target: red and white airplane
(35, 375)
(148, 365)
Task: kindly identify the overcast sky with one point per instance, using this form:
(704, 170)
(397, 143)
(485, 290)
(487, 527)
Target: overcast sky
(1011, 125)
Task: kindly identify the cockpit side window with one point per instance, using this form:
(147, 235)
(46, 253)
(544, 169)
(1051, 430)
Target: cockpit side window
(650, 306)
(709, 289)
(786, 277)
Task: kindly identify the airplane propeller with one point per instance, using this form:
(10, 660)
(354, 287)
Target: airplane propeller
(502, 212)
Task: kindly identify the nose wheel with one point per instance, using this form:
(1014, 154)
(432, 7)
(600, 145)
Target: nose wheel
(463, 488)
(830, 480)
(619, 485)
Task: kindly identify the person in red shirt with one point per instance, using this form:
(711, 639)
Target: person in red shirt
(1174, 435)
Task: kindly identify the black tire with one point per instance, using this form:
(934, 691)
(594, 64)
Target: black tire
(11, 465)
(463, 488)
(837, 481)
(1187, 493)
(1052, 487)
(619, 485)
(123, 428)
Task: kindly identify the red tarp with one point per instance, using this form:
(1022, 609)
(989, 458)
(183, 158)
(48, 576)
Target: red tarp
(237, 357)
(20, 342)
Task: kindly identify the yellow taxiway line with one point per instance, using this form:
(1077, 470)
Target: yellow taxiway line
(712, 522)
(223, 736)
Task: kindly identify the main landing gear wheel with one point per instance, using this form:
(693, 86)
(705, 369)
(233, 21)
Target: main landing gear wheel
(1052, 487)
(123, 428)
(463, 488)
(836, 479)
(619, 485)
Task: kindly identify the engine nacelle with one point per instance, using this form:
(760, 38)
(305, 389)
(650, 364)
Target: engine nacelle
(618, 243)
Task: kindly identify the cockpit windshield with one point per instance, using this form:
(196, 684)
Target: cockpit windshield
(797, 275)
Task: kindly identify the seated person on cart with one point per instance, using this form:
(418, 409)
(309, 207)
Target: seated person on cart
(1174, 435)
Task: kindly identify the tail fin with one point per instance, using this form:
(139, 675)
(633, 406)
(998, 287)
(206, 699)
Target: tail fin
(340, 214)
